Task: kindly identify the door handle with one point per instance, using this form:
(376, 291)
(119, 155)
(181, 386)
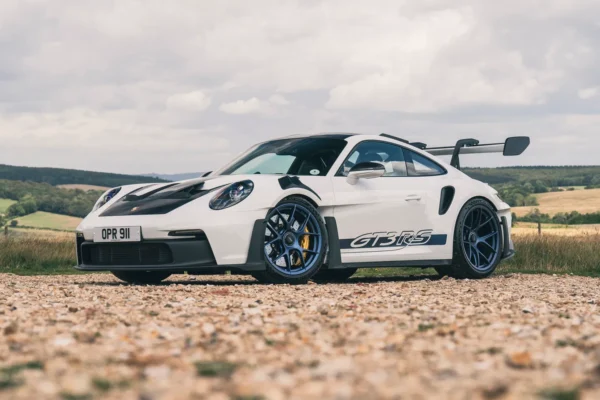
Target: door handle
(413, 197)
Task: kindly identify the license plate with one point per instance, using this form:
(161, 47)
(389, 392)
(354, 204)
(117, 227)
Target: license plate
(118, 234)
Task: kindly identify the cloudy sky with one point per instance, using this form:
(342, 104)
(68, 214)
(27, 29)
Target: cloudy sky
(155, 86)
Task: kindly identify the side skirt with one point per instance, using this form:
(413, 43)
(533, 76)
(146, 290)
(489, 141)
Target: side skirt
(334, 258)
(400, 264)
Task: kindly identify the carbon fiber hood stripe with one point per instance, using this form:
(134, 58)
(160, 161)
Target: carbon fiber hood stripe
(161, 200)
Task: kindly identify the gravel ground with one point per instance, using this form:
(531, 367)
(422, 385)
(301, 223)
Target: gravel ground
(89, 337)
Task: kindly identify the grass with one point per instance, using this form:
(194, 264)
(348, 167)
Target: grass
(550, 254)
(547, 254)
(584, 201)
(215, 369)
(43, 219)
(10, 376)
(579, 255)
(35, 256)
(4, 204)
(560, 394)
(39, 233)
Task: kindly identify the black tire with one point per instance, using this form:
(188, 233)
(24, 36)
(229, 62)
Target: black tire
(272, 274)
(142, 277)
(463, 265)
(334, 275)
(443, 271)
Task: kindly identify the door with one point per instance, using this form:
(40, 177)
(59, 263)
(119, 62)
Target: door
(392, 218)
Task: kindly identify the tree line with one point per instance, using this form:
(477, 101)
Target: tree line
(33, 188)
(59, 176)
(556, 176)
(33, 196)
(569, 218)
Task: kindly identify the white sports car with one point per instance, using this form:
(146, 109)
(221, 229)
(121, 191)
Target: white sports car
(307, 207)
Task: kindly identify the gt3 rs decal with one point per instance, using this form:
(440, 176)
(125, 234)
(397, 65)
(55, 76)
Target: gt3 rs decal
(394, 240)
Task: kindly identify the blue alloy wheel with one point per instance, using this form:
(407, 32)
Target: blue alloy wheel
(481, 239)
(293, 239)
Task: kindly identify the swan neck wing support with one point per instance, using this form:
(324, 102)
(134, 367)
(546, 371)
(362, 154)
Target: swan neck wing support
(513, 146)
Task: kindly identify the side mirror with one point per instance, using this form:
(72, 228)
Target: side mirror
(365, 170)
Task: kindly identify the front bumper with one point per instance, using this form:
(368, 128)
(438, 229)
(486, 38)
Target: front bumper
(180, 255)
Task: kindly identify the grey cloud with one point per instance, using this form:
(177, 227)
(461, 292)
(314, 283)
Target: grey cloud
(89, 81)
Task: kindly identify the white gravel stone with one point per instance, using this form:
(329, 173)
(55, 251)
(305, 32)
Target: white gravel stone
(223, 337)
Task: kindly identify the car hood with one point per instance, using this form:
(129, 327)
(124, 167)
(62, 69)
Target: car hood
(163, 198)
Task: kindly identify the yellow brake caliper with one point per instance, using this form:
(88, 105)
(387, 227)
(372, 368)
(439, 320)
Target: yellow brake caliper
(304, 243)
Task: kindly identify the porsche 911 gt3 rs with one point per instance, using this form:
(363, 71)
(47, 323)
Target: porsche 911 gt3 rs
(308, 207)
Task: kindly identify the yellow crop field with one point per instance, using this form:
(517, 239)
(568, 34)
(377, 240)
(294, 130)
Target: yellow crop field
(530, 228)
(583, 201)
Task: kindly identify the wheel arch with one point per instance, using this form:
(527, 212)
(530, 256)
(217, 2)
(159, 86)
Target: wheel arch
(487, 200)
(464, 203)
(502, 237)
(302, 196)
(298, 192)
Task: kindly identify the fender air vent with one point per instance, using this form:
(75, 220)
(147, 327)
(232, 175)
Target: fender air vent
(446, 199)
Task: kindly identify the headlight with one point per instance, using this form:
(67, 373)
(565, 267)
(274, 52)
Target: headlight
(106, 197)
(231, 195)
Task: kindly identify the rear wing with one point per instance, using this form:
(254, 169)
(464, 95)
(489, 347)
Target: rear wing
(513, 146)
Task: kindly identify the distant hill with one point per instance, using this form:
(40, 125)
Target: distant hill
(550, 176)
(177, 177)
(59, 176)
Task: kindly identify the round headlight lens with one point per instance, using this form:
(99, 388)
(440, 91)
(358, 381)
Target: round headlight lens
(231, 195)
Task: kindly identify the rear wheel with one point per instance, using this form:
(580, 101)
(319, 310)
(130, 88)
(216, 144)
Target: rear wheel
(334, 275)
(143, 277)
(295, 242)
(477, 242)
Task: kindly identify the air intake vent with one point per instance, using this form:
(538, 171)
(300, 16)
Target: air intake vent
(446, 199)
(126, 254)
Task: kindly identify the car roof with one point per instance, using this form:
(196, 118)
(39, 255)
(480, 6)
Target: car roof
(346, 135)
(325, 135)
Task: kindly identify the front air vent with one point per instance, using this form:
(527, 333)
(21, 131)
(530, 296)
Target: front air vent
(197, 233)
(126, 254)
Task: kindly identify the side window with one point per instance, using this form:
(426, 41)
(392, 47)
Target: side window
(386, 154)
(423, 166)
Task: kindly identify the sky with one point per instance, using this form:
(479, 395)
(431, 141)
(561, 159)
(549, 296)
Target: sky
(139, 86)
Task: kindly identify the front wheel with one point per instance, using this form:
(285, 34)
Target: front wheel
(295, 242)
(142, 277)
(477, 242)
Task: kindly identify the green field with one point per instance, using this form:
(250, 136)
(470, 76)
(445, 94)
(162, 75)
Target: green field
(46, 220)
(550, 254)
(4, 204)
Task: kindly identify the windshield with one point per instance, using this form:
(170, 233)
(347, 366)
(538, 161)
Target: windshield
(300, 156)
